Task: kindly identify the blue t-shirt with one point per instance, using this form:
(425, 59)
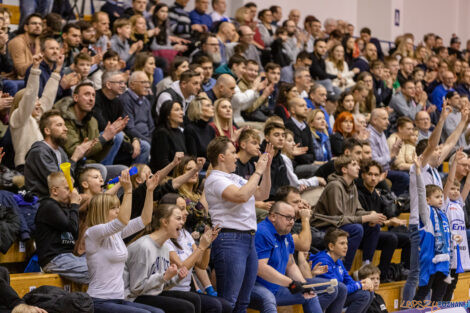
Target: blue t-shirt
(270, 245)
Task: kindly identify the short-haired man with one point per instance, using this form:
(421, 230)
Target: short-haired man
(22, 47)
(207, 65)
(71, 36)
(423, 124)
(359, 294)
(101, 21)
(280, 280)
(226, 33)
(366, 35)
(406, 70)
(403, 102)
(45, 156)
(199, 15)
(381, 153)
(339, 206)
(318, 67)
(224, 87)
(246, 35)
(303, 81)
(382, 92)
(180, 22)
(277, 14)
(139, 110)
(441, 90)
(455, 102)
(370, 199)
(138, 7)
(183, 90)
(81, 125)
(363, 61)
(219, 8)
(57, 230)
(303, 60)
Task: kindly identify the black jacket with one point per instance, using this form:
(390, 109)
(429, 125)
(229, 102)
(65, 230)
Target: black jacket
(377, 305)
(197, 135)
(9, 227)
(8, 296)
(304, 137)
(318, 68)
(165, 143)
(57, 300)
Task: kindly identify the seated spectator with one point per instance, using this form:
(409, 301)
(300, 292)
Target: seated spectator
(275, 249)
(180, 22)
(442, 89)
(321, 140)
(168, 137)
(360, 93)
(246, 42)
(318, 68)
(82, 126)
(305, 166)
(200, 17)
(343, 128)
(317, 97)
(101, 21)
(110, 63)
(303, 81)
(373, 273)
(423, 124)
(359, 294)
(27, 109)
(287, 92)
(303, 60)
(363, 62)
(219, 9)
(346, 103)
(405, 134)
(145, 62)
(454, 101)
(289, 151)
(224, 87)
(265, 27)
(22, 47)
(120, 42)
(57, 229)
(139, 31)
(382, 91)
(382, 154)
(177, 67)
(366, 35)
(227, 33)
(197, 132)
(6, 62)
(209, 47)
(207, 65)
(45, 156)
(387, 241)
(360, 125)
(368, 103)
(248, 151)
(295, 38)
(421, 97)
(9, 300)
(71, 36)
(223, 120)
(336, 65)
(277, 14)
(312, 27)
(107, 227)
(183, 90)
(139, 7)
(406, 70)
(403, 103)
(464, 83)
(81, 67)
(339, 206)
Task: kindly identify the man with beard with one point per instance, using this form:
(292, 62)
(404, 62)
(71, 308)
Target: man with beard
(209, 47)
(247, 43)
(24, 46)
(52, 62)
(45, 156)
(71, 36)
(88, 44)
(295, 39)
(363, 62)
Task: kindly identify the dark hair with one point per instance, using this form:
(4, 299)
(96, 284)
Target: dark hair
(81, 85)
(250, 5)
(283, 191)
(140, 60)
(271, 66)
(303, 55)
(319, 40)
(280, 30)
(421, 146)
(274, 8)
(110, 53)
(246, 134)
(332, 235)
(187, 75)
(403, 120)
(162, 37)
(284, 88)
(271, 126)
(44, 121)
(70, 26)
(217, 146)
(44, 40)
(368, 270)
(81, 56)
(365, 30)
(164, 115)
(430, 189)
(451, 94)
(371, 163)
(203, 59)
(84, 25)
(26, 21)
(177, 61)
(169, 198)
(236, 59)
(350, 143)
(261, 13)
(54, 21)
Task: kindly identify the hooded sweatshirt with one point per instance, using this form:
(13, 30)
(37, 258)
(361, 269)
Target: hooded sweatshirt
(338, 204)
(335, 270)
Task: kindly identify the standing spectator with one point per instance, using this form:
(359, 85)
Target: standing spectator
(231, 201)
(28, 7)
(24, 46)
(168, 137)
(199, 15)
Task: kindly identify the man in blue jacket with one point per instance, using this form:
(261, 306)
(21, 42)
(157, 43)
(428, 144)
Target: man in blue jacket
(280, 280)
(359, 293)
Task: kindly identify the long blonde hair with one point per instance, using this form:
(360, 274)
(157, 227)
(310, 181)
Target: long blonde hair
(217, 121)
(133, 21)
(339, 64)
(99, 207)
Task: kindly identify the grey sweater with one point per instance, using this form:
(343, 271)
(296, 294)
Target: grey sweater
(145, 266)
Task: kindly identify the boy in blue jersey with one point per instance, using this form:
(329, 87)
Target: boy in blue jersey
(435, 236)
(359, 294)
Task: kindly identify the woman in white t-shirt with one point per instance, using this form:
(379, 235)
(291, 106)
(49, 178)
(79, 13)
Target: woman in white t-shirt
(231, 201)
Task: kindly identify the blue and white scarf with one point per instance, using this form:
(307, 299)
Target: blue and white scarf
(441, 235)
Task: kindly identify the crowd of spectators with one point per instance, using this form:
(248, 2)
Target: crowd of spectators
(260, 143)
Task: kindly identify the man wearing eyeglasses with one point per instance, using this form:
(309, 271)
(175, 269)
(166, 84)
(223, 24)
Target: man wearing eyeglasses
(24, 46)
(246, 36)
(280, 281)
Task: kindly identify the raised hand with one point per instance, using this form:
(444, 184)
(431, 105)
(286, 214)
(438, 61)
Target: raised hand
(125, 181)
(262, 163)
(59, 63)
(200, 163)
(177, 158)
(152, 181)
(37, 59)
(305, 213)
(446, 110)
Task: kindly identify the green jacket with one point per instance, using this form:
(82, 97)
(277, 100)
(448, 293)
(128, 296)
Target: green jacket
(77, 131)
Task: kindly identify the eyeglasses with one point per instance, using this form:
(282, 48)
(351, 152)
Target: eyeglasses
(143, 82)
(118, 82)
(288, 218)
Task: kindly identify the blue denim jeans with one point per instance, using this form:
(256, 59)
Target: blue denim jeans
(400, 181)
(358, 301)
(412, 280)
(117, 141)
(265, 301)
(236, 266)
(28, 7)
(69, 266)
(144, 155)
(122, 306)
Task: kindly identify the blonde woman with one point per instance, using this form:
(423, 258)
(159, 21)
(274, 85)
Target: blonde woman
(321, 141)
(336, 65)
(197, 132)
(108, 224)
(223, 120)
(139, 31)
